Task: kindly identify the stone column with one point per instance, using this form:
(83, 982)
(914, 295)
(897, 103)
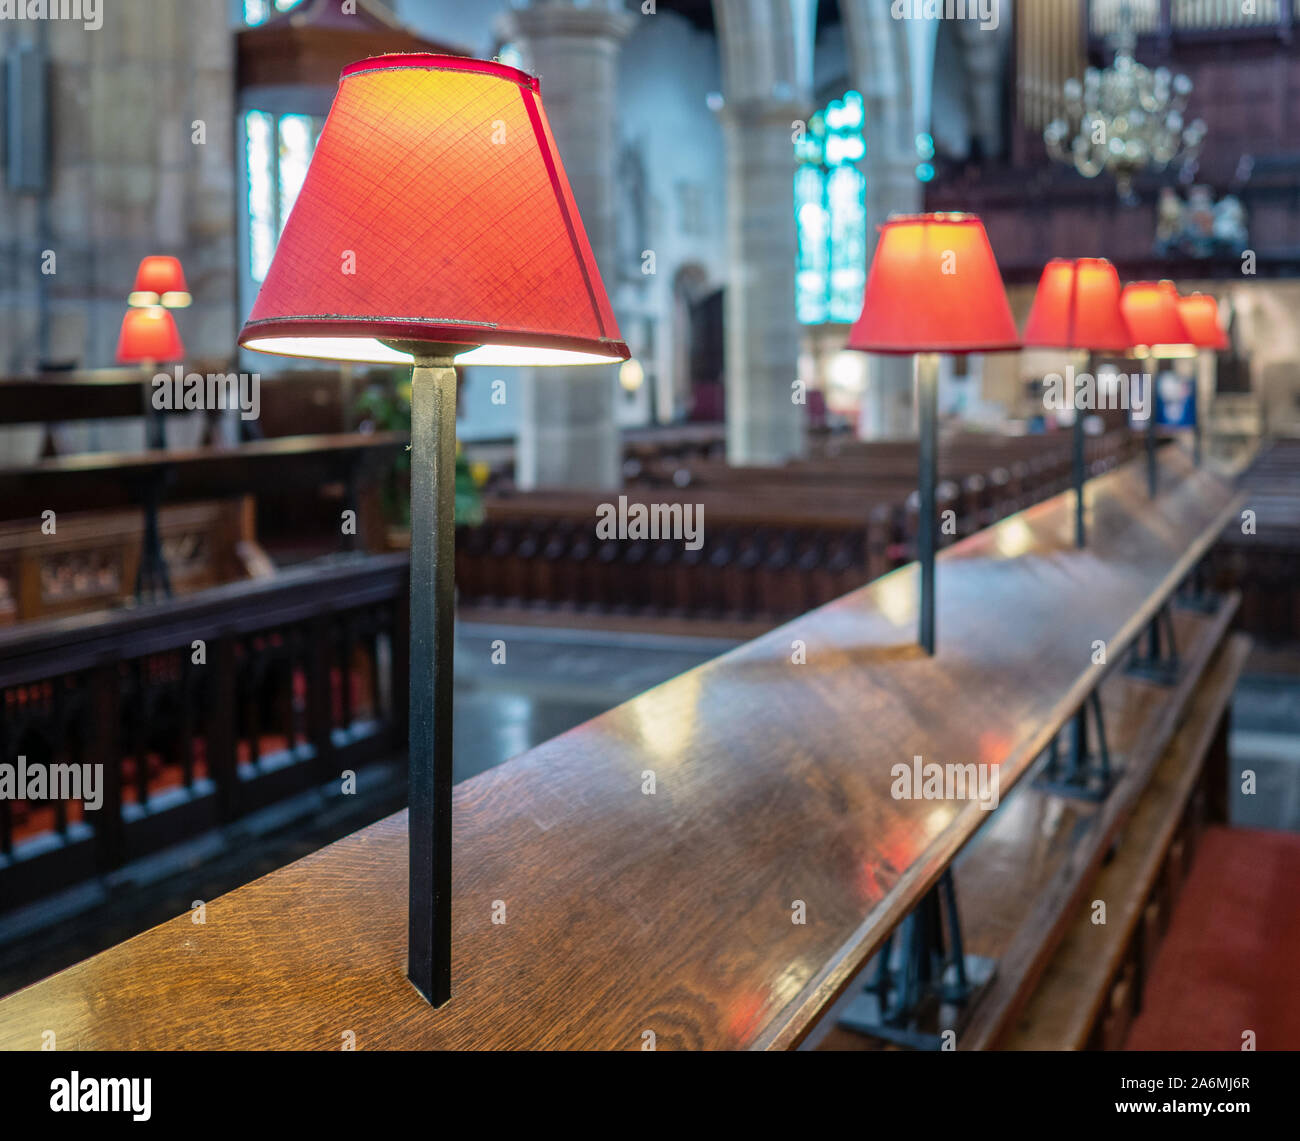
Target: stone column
(767, 70)
(889, 407)
(984, 52)
(567, 433)
(880, 64)
(764, 423)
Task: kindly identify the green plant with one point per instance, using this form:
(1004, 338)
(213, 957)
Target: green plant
(386, 405)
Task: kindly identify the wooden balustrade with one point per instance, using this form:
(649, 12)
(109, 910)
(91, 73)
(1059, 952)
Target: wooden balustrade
(200, 710)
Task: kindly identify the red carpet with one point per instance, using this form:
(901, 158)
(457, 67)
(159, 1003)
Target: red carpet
(1228, 963)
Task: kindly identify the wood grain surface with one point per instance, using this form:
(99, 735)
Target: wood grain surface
(671, 913)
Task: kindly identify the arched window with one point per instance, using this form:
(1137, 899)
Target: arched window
(831, 215)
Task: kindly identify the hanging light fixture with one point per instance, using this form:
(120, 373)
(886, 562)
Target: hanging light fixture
(1127, 118)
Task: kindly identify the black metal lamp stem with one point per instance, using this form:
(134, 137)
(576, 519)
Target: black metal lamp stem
(1197, 389)
(1153, 481)
(927, 413)
(433, 584)
(1080, 476)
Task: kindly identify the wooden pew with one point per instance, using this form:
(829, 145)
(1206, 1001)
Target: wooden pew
(778, 541)
(670, 915)
(1263, 560)
(105, 481)
(91, 561)
(97, 482)
(763, 555)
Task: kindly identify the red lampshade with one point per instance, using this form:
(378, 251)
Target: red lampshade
(435, 210)
(934, 288)
(149, 335)
(1200, 314)
(160, 279)
(1151, 310)
(1077, 307)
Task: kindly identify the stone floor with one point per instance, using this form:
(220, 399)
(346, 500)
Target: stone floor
(1265, 740)
(549, 681)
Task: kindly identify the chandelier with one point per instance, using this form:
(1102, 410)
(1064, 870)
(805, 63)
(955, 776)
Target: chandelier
(1125, 119)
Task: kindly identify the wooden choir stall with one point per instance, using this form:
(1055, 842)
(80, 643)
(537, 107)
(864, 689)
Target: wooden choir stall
(740, 858)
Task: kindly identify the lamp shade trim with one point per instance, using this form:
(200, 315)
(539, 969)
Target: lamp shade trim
(438, 181)
(429, 61)
(468, 333)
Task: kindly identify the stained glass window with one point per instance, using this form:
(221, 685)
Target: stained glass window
(259, 11)
(831, 215)
(277, 151)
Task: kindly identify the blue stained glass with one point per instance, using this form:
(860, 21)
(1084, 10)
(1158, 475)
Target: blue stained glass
(297, 139)
(263, 230)
(277, 151)
(846, 191)
(259, 11)
(830, 214)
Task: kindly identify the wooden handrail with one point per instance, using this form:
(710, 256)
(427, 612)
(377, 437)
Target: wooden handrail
(589, 911)
(96, 480)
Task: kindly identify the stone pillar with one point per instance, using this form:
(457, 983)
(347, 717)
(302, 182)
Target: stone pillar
(880, 65)
(767, 69)
(567, 432)
(889, 408)
(984, 52)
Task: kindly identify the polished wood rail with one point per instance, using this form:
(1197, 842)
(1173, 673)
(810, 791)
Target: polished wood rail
(629, 913)
(95, 480)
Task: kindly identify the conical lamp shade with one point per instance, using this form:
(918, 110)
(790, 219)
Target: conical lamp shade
(1200, 314)
(435, 210)
(934, 287)
(149, 335)
(1077, 307)
(1151, 310)
(160, 279)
